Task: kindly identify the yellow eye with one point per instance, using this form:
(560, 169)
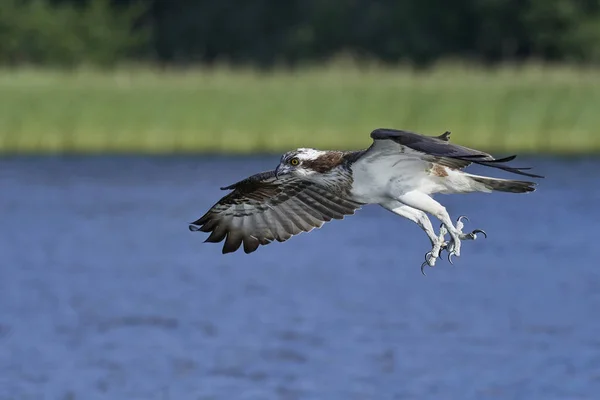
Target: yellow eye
(294, 161)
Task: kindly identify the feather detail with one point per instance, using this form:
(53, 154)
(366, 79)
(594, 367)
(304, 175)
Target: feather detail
(439, 150)
(262, 208)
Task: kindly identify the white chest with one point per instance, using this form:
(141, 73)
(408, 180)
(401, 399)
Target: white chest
(377, 179)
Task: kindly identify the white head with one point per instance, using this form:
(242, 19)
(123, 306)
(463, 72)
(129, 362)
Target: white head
(303, 162)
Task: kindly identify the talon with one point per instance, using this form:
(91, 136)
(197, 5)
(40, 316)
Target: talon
(450, 257)
(459, 222)
(480, 231)
(423, 268)
(442, 247)
(427, 255)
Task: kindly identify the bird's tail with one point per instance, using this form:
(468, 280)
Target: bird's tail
(504, 185)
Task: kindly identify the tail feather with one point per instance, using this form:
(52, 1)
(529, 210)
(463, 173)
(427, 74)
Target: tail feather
(505, 185)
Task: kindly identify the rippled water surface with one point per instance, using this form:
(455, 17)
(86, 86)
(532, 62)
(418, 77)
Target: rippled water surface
(105, 294)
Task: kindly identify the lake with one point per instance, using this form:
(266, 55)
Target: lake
(106, 294)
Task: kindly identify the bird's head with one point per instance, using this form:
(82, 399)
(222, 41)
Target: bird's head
(299, 162)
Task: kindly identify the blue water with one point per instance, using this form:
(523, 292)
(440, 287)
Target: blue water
(105, 294)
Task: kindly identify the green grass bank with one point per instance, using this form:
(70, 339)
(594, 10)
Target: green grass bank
(141, 110)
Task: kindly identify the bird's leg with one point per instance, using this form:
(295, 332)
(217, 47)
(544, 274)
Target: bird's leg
(424, 202)
(438, 243)
(463, 236)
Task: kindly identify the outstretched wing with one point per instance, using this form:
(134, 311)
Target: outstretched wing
(438, 149)
(263, 208)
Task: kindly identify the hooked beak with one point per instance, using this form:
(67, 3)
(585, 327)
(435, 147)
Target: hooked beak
(281, 170)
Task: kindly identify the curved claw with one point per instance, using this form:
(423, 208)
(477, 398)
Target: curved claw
(427, 255)
(480, 231)
(463, 216)
(450, 258)
(423, 268)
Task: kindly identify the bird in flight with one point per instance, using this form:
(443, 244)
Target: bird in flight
(400, 171)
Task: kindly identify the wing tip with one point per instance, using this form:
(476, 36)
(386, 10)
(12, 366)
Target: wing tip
(198, 224)
(495, 163)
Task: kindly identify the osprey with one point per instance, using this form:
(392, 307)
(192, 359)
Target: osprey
(400, 171)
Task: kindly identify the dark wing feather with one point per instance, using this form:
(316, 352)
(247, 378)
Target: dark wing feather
(438, 149)
(262, 208)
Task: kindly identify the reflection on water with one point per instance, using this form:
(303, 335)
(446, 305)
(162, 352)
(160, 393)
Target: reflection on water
(104, 293)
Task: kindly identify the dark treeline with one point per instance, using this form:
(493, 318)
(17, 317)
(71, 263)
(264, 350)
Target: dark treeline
(266, 32)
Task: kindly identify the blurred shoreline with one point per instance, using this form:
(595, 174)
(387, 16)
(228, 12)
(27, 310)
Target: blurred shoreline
(531, 108)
